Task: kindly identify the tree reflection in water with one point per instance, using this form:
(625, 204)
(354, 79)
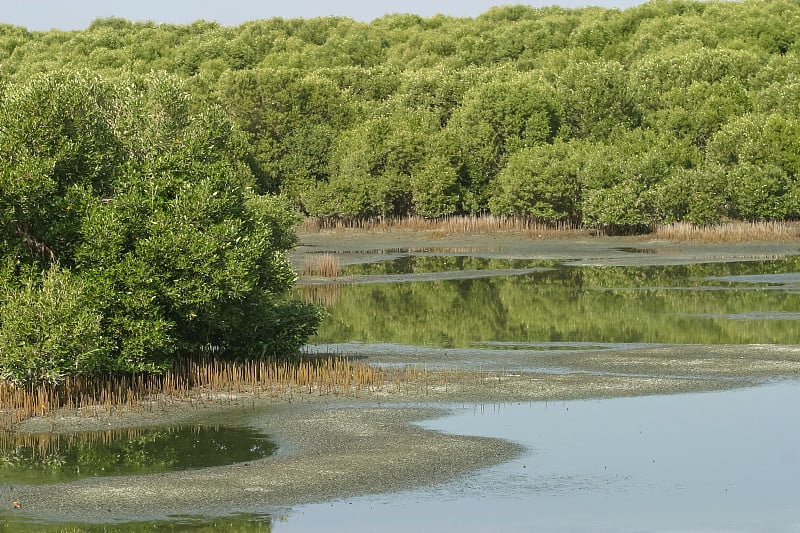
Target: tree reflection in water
(49, 458)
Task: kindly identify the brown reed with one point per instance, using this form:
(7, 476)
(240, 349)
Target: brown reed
(453, 224)
(326, 265)
(212, 381)
(728, 232)
(202, 381)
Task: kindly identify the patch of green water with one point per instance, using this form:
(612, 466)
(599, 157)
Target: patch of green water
(53, 458)
(418, 264)
(232, 524)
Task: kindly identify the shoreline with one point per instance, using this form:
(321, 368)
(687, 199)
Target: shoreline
(340, 446)
(358, 246)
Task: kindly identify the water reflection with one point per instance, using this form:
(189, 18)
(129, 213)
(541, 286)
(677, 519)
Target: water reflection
(748, 302)
(51, 458)
(418, 264)
(244, 523)
(724, 461)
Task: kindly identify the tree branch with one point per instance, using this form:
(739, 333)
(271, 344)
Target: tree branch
(35, 247)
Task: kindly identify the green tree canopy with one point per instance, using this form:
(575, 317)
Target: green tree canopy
(132, 221)
(415, 115)
(540, 182)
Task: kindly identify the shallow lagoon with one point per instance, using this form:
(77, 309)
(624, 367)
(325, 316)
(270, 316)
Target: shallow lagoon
(693, 462)
(48, 458)
(723, 461)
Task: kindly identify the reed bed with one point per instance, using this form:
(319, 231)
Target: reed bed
(455, 224)
(729, 232)
(326, 265)
(205, 381)
(208, 382)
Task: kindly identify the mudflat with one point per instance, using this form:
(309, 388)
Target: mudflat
(353, 246)
(334, 446)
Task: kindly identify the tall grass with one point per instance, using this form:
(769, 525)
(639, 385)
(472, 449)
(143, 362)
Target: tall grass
(194, 381)
(455, 224)
(209, 382)
(729, 232)
(326, 265)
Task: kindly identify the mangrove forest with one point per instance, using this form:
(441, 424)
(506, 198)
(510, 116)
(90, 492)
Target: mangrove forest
(151, 174)
(668, 111)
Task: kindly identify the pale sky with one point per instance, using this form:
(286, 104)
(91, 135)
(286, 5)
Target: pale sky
(77, 14)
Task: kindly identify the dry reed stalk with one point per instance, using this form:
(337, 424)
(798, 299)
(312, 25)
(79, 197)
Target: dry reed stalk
(326, 265)
(201, 382)
(454, 224)
(729, 232)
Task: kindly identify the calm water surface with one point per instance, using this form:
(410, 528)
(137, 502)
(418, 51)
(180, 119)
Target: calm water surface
(747, 302)
(50, 458)
(712, 462)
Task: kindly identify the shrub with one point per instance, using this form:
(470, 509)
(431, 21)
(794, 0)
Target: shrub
(135, 233)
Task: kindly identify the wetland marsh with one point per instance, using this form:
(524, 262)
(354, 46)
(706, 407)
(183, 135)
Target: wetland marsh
(534, 343)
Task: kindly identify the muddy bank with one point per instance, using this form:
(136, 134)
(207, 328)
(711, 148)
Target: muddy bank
(671, 363)
(353, 247)
(329, 446)
(339, 446)
(326, 452)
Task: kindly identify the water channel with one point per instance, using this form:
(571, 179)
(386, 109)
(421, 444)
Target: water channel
(715, 461)
(742, 302)
(710, 462)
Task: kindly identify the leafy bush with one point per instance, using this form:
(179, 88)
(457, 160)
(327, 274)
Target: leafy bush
(134, 232)
(540, 182)
(49, 328)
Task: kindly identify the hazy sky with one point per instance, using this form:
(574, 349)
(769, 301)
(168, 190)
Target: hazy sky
(77, 14)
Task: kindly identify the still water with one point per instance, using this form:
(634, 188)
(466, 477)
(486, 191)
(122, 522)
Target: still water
(713, 462)
(747, 302)
(710, 462)
(52, 458)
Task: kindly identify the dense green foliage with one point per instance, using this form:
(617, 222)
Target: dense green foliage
(132, 233)
(672, 110)
(149, 173)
